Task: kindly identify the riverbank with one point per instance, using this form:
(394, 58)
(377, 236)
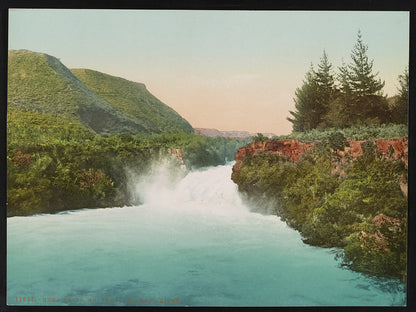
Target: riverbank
(193, 241)
(337, 193)
(74, 170)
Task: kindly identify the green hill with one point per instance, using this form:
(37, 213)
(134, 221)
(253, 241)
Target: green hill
(40, 83)
(135, 100)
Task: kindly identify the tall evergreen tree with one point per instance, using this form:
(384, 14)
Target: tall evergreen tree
(313, 98)
(343, 78)
(325, 81)
(362, 80)
(306, 115)
(401, 105)
(361, 99)
(339, 113)
(324, 76)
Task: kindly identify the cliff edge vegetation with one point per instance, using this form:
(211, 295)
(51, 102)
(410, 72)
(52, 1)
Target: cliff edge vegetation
(336, 192)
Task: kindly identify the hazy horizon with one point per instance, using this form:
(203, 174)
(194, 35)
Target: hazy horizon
(227, 70)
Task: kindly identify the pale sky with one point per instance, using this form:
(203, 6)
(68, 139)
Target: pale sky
(229, 70)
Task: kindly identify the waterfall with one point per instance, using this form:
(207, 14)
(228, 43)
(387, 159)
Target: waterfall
(191, 242)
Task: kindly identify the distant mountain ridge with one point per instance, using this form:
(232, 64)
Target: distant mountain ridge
(229, 134)
(40, 83)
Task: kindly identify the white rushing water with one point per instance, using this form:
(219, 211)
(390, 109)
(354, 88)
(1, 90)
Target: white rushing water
(191, 243)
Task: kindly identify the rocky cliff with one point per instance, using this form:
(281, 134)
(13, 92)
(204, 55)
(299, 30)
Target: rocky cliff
(334, 198)
(389, 148)
(289, 148)
(293, 149)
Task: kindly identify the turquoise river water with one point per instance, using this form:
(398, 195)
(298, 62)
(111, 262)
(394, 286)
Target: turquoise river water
(191, 243)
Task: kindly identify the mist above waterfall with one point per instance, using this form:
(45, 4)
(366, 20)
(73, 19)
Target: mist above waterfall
(163, 172)
(167, 187)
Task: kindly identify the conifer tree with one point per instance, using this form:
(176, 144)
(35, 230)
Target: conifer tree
(306, 117)
(343, 79)
(339, 113)
(325, 88)
(313, 98)
(401, 105)
(362, 80)
(361, 99)
(324, 77)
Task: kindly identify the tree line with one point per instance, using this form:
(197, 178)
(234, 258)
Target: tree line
(351, 97)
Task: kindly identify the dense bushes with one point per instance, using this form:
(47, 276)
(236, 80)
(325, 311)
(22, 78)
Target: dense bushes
(358, 132)
(68, 175)
(337, 207)
(55, 163)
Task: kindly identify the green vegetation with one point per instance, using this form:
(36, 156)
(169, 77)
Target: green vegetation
(400, 105)
(260, 138)
(353, 97)
(358, 132)
(38, 82)
(35, 128)
(56, 163)
(74, 144)
(74, 141)
(335, 204)
(357, 205)
(134, 100)
(41, 83)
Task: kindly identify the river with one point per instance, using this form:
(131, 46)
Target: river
(191, 243)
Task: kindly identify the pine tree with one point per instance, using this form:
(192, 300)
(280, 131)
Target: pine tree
(401, 105)
(325, 88)
(361, 78)
(306, 115)
(343, 77)
(361, 99)
(313, 98)
(324, 77)
(340, 112)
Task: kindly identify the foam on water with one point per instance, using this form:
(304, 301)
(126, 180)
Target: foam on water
(192, 241)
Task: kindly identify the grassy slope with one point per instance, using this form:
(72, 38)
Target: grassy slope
(133, 99)
(40, 83)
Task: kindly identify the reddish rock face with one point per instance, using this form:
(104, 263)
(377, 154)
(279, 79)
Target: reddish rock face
(354, 149)
(394, 148)
(390, 148)
(293, 149)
